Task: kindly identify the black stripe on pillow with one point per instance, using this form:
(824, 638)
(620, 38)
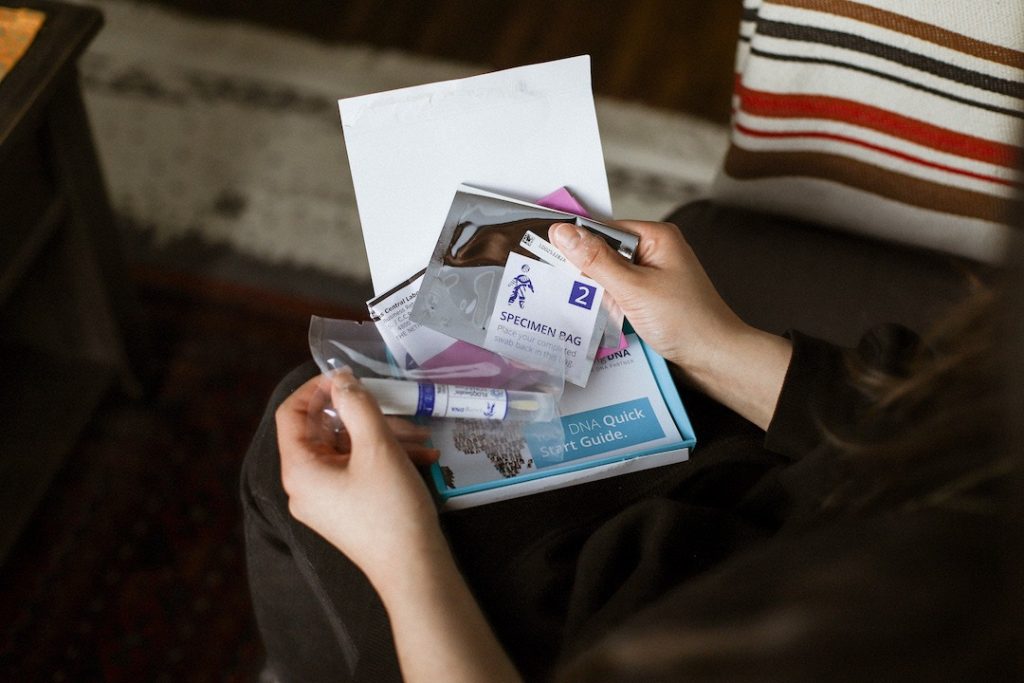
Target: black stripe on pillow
(849, 41)
(889, 77)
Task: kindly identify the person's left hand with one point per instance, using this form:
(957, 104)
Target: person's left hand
(362, 493)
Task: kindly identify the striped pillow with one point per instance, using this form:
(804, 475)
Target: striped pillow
(895, 118)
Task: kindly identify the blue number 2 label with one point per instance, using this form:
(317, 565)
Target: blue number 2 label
(582, 295)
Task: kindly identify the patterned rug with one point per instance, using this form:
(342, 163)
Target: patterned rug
(133, 567)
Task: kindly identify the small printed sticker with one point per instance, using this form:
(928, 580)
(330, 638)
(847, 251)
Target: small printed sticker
(546, 252)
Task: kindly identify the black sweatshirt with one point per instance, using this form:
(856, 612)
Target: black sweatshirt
(733, 566)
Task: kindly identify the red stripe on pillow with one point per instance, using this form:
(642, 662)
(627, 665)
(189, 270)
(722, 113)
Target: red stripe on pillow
(746, 130)
(760, 103)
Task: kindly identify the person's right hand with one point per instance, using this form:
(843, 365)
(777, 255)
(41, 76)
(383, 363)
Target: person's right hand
(666, 294)
(672, 305)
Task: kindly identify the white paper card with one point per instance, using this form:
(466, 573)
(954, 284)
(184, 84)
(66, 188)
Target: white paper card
(520, 132)
(390, 312)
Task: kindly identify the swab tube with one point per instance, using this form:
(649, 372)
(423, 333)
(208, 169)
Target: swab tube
(426, 399)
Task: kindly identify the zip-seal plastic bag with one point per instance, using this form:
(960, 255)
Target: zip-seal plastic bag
(483, 404)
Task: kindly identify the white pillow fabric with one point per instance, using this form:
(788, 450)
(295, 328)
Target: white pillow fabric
(900, 119)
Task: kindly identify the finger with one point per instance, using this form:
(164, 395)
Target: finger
(590, 254)
(341, 442)
(654, 237)
(406, 430)
(420, 454)
(407, 433)
(360, 413)
(299, 455)
(644, 229)
(292, 416)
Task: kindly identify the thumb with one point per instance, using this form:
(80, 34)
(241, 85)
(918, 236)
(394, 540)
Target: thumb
(590, 254)
(359, 412)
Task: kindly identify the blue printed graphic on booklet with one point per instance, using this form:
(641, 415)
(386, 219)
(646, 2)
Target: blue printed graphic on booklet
(621, 425)
(542, 314)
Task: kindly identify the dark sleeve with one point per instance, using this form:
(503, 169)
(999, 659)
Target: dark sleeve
(739, 489)
(918, 596)
(818, 392)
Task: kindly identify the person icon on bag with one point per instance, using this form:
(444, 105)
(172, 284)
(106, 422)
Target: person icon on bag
(520, 283)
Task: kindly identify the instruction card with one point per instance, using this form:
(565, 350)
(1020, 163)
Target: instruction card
(409, 342)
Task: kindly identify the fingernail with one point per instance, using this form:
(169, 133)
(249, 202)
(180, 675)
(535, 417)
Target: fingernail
(345, 381)
(565, 236)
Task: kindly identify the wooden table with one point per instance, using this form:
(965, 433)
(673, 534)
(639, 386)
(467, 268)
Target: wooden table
(68, 322)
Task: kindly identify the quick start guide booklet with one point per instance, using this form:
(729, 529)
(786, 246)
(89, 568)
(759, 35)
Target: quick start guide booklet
(628, 418)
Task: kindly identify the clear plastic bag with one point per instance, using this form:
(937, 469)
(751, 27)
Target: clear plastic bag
(472, 386)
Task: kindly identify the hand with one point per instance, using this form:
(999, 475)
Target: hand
(666, 295)
(361, 491)
(363, 494)
(674, 307)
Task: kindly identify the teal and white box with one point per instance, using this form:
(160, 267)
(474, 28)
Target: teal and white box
(629, 418)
